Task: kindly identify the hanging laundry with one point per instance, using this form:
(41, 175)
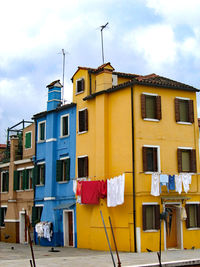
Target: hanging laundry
(78, 188)
(115, 191)
(74, 186)
(47, 228)
(178, 182)
(183, 214)
(186, 179)
(103, 189)
(90, 192)
(39, 229)
(164, 180)
(171, 182)
(155, 181)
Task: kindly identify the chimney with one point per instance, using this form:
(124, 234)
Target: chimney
(54, 95)
(104, 77)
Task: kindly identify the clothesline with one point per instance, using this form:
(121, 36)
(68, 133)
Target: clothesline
(177, 173)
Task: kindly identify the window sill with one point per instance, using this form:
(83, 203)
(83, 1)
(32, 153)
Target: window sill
(27, 148)
(82, 132)
(78, 93)
(41, 141)
(63, 182)
(2, 226)
(151, 172)
(184, 122)
(29, 190)
(39, 185)
(4, 192)
(193, 229)
(20, 190)
(83, 179)
(64, 136)
(150, 231)
(146, 119)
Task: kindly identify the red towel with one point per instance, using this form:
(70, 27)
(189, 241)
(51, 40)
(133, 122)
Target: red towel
(90, 192)
(78, 189)
(103, 189)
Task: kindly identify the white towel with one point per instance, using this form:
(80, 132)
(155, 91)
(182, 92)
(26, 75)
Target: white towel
(155, 184)
(186, 179)
(178, 181)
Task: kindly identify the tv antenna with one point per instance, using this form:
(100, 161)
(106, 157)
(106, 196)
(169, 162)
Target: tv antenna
(63, 53)
(102, 28)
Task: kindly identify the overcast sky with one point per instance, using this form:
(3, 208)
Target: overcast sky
(144, 36)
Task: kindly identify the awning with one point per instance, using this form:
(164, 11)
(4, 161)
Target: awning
(64, 206)
(167, 198)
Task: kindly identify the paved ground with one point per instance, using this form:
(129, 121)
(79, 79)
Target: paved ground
(20, 255)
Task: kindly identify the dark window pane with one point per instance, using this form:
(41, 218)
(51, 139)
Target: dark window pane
(184, 110)
(150, 107)
(42, 131)
(193, 216)
(150, 159)
(64, 125)
(150, 217)
(186, 160)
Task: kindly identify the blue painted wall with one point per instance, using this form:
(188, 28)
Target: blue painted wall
(53, 194)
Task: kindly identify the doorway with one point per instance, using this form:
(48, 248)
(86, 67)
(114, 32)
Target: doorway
(173, 227)
(68, 228)
(22, 228)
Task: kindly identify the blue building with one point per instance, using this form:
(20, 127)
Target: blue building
(55, 169)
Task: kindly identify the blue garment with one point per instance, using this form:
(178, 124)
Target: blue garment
(164, 180)
(171, 182)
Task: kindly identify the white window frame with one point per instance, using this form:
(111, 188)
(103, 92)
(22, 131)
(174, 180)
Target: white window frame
(81, 178)
(25, 140)
(192, 203)
(39, 134)
(158, 158)
(61, 125)
(82, 78)
(183, 122)
(150, 94)
(150, 204)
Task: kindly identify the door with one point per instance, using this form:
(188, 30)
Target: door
(68, 223)
(171, 226)
(22, 231)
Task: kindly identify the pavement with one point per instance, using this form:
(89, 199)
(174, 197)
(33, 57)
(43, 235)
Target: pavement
(19, 255)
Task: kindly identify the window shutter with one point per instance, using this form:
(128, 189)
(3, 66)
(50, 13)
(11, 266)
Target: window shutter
(59, 165)
(179, 158)
(16, 181)
(193, 161)
(28, 140)
(143, 106)
(198, 215)
(81, 121)
(191, 111)
(80, 168)
(82, 85)
(144, 217)
(24, 182)
(157, 217)
(34, 215)
(86, 167)
(1, 216)
(188, 215)
(155, 160)
(177, 110)
(158, 108)
(86, 119)
(34, 176)
(7, 181)
(144, 154)
(68, 169)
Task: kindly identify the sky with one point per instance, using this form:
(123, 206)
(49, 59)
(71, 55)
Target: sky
(142, 37)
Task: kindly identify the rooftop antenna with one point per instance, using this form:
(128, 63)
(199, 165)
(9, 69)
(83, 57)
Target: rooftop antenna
(63, 53)
(102, 27)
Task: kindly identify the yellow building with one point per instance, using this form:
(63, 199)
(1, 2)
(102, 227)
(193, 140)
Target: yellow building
(143, 126)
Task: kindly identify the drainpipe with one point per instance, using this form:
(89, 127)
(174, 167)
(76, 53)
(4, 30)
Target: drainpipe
(133, 166)
(90, 82)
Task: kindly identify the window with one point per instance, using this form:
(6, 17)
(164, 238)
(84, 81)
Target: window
(28, 136)
(193, 215)
(83, 120)
(151, 217)
(150, 159)
(40, 174)
(80, 85)
(186, 160)
(41, 131)
(29, 179)
(3, 211)
(83, 167)
(36, 214)
(184, 110)
(19, 180)
(64, 125)
(5, 181)
(151, 106)
(63, 170)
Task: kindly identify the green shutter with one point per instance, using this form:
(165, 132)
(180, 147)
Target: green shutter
(59, 170)
(28, 140)
(68, 169)
(7, 181)
(16, 181)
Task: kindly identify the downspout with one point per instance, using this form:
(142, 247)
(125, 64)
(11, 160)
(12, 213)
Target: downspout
(90, 82)
(133, 171)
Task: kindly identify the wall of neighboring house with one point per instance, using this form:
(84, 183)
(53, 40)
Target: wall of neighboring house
(18, 199)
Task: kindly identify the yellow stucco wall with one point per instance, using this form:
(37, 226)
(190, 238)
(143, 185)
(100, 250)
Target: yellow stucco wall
(108, 145)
